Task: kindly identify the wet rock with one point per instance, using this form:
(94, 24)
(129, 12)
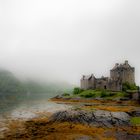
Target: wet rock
(125, 99)
(135, 113)
(96, 118)
(84, 138)
(57, 97)
(102, 114)
(125, 136)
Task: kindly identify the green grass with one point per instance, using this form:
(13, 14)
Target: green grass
(135, 121)
(96, 93)
(90, 93)
(102, 93)
(120, 94)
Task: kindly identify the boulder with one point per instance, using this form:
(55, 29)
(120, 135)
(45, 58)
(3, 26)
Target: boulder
(96, 118)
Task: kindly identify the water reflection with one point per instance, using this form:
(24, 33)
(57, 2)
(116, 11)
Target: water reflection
(9, 102)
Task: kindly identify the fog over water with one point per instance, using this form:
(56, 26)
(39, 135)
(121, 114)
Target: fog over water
(59, 40)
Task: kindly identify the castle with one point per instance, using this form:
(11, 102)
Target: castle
(120, 74)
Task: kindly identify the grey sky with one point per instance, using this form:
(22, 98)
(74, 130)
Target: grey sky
(63, 39)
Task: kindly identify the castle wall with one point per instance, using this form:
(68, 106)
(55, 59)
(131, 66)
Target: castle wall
(92, 83)
(84, 84)
(128, 76)
(102, 83)
(124, 75)
(114, 85)
(88, 83)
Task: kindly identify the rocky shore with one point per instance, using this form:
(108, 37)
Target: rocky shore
(90, 119)
(76, 125)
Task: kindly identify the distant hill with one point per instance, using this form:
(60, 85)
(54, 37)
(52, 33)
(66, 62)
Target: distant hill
(10, 84)
(37, 87)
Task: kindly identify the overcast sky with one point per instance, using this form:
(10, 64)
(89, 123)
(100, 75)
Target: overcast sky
(64, 39)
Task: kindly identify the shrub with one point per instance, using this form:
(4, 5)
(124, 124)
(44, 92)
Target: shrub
(112, 93)
(77, 90)
(66, 94)
(103, 93)
(88, 95)
(127, 86)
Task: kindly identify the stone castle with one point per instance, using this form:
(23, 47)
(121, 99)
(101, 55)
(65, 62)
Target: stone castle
(120, 74)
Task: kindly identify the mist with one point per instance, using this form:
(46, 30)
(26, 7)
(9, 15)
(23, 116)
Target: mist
(62, 40)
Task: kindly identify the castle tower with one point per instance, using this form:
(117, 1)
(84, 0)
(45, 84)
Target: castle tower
(123, 73)
(88, 82)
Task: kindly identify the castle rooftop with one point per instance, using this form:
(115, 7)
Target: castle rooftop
(125, 65)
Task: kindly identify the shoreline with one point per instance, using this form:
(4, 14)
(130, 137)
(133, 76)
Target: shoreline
(69, 126)
(23, 114)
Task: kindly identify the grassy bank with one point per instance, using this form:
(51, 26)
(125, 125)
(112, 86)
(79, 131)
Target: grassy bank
(105, 94)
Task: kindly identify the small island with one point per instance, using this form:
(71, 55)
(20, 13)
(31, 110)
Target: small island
(120, 85)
